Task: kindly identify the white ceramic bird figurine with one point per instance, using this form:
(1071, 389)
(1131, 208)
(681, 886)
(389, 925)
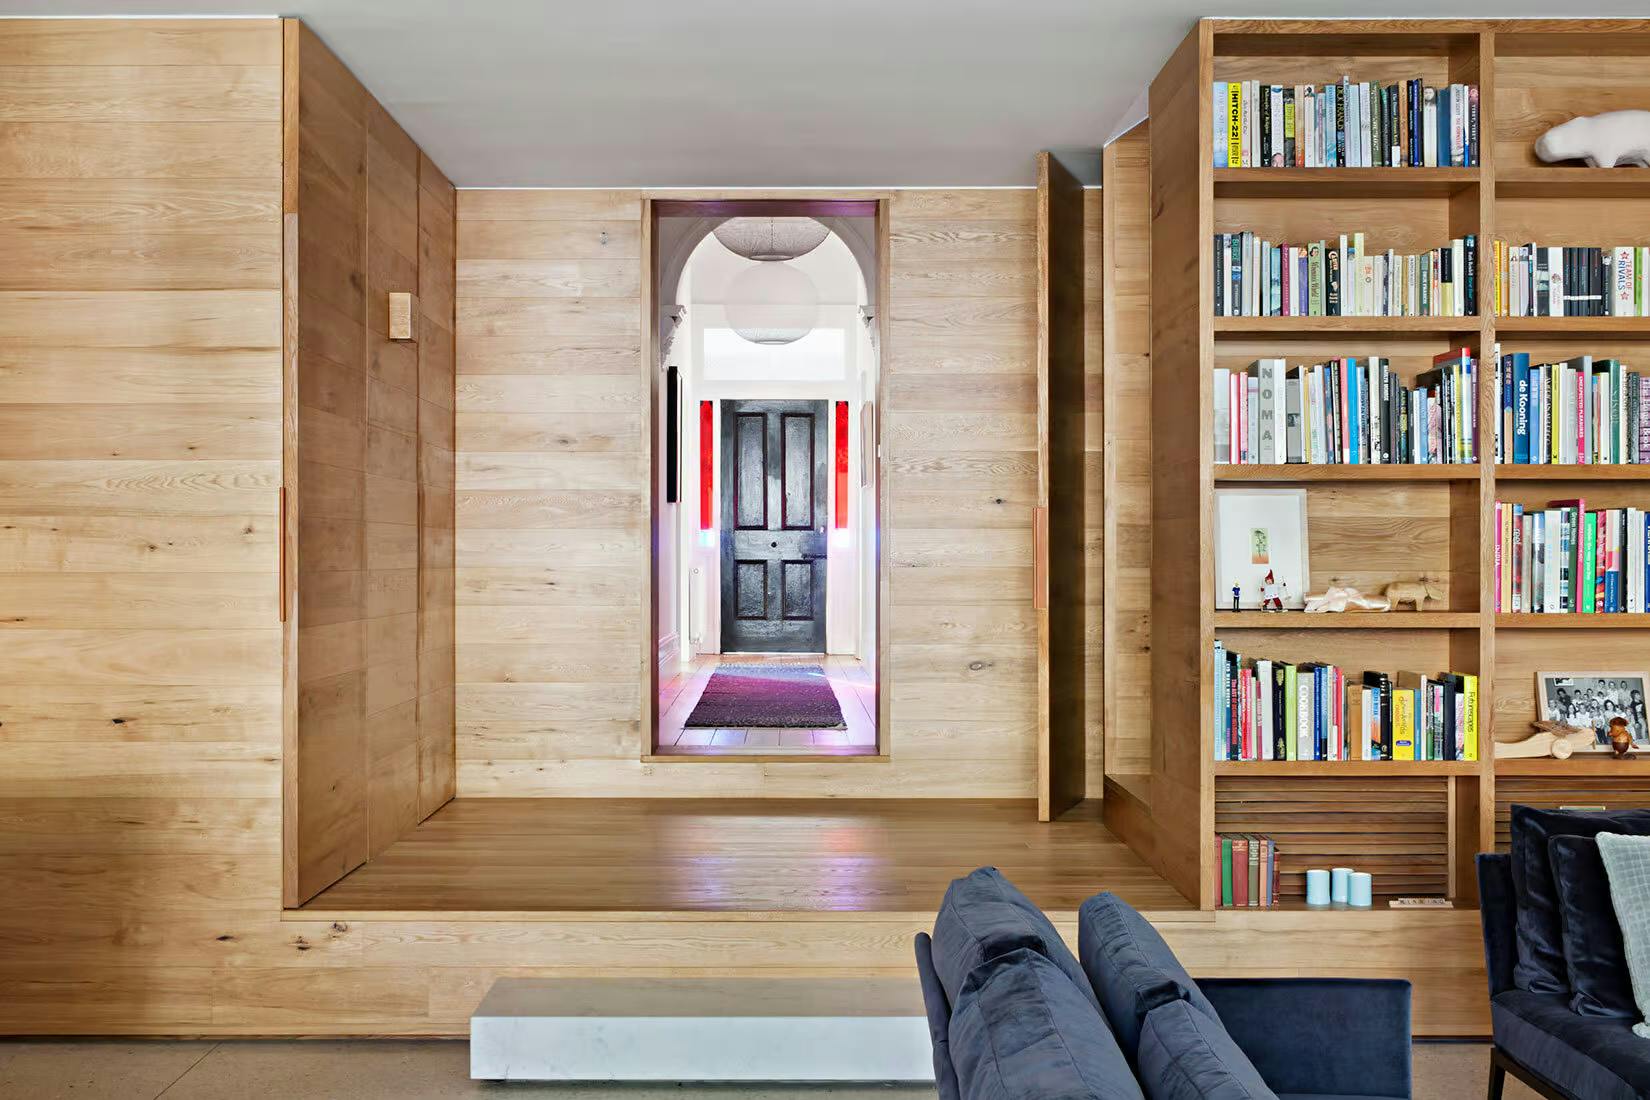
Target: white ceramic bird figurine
(1609, 140)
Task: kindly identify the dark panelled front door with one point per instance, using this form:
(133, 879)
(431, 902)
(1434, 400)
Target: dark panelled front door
(773, 504)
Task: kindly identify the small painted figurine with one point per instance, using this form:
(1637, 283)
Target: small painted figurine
(1621, 738)
(1237, 598)
(1270, 597)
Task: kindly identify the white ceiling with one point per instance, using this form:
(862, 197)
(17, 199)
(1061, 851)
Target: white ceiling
(764, 93)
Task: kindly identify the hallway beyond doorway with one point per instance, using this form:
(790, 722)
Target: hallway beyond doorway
(848, 677)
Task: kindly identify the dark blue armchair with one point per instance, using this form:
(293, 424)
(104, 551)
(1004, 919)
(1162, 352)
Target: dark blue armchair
(1539, 1038)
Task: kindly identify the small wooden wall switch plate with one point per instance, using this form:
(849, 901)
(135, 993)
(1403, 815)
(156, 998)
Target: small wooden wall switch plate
(401, 315)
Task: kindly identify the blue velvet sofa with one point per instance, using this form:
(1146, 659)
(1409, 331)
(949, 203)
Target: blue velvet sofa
(1012, 1014)
(1561, 1004)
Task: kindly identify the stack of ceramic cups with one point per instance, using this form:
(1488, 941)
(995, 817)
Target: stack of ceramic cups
(1339, 887)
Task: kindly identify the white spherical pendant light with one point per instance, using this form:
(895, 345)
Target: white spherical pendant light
(772, 303)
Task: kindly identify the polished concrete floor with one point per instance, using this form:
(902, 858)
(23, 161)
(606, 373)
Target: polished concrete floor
(398, 1070)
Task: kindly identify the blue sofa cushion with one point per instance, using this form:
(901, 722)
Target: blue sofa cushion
(1130, 967)
(1023, 1031)
(1595, 1057)
(1541, 967)
(984, 916)
(1185, 1054)
(1594, 956)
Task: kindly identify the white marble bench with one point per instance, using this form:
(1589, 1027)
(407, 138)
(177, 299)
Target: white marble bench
(701, 1029)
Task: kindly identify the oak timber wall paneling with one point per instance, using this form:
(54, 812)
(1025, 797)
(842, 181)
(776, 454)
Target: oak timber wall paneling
(140, 793)
(372, 753)
(437, 398)
(552, 499)
(327, 832)
(1060, 529)
(1124, 447)
(1180, 797)
(140, 469)
(1094, 497)
(551, 490)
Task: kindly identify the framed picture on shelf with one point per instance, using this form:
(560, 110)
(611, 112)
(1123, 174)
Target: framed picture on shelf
(1589, 700)
(1261, 549)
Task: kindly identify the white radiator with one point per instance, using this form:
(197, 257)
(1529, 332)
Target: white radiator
(698, 623)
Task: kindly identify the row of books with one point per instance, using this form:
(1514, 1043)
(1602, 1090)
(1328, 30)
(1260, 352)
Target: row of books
(1581, 411)
(1267, 709)
(1346, 125)
(1536, 280)
(1565, 559)
(1256, 278)
(1248, 870)
(1353, 411)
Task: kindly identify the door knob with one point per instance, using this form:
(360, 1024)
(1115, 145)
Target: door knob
(774, 545)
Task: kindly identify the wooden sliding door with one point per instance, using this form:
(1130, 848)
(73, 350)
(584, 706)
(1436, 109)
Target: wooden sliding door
(1058, 535)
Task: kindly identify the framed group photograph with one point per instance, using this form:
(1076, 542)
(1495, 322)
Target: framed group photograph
(1588, 700)
(1261, 548)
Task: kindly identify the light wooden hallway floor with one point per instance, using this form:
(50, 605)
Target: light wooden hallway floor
(739, 855)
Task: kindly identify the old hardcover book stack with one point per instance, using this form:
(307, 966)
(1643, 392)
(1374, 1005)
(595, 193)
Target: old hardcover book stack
(1267, 709)
(1342, 277)
(1365, 124)
(1564, 559)
(1353, 411)
(1248, 871)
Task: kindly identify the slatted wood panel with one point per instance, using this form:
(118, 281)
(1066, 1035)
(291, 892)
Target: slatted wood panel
(1396, 829)
(1550, 792)
(552, 490)
(373, 749)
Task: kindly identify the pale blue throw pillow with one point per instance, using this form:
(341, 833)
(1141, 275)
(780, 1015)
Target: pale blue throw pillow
(1627, 862)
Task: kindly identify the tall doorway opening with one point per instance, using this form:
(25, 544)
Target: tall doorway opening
(766, 574)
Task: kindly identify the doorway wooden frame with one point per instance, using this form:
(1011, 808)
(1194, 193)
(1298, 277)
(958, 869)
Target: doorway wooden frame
(770, 204)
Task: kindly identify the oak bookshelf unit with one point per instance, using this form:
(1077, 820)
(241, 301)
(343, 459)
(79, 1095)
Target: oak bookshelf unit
(1415, 825)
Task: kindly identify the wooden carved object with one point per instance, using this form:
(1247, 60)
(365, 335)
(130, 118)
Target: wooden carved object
(1417, 593)
(1554, 739)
